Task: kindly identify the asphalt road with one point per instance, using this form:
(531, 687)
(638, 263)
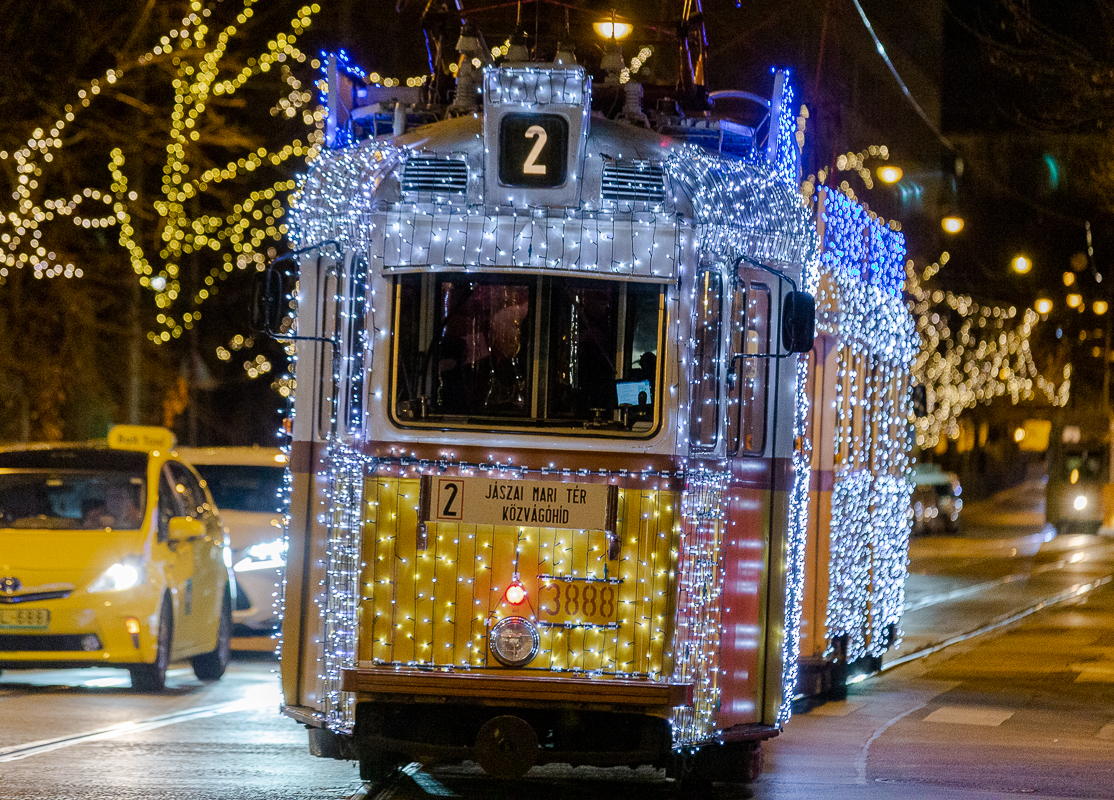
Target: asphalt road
(83, 735)
(1021, 702)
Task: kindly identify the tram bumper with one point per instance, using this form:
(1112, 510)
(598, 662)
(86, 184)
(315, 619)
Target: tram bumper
(507, 724)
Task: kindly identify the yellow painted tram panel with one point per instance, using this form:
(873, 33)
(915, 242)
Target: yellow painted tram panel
(432, 599)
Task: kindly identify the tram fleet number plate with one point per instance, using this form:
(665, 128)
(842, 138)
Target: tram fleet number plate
(572, 601)
(535, 504)
(24, 618)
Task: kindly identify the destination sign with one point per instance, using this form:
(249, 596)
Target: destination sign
(541, 504)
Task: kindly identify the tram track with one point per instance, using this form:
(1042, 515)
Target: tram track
(1076, 554)
(1082, 554)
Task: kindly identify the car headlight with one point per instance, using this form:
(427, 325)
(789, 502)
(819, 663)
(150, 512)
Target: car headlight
(264, 555)
(122, 575)
(1080, 502)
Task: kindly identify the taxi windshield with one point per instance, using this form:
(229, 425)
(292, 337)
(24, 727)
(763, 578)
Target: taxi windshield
(71, 500)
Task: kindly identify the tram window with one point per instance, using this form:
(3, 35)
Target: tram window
(704, 413)
(527, 350)
(750, 334)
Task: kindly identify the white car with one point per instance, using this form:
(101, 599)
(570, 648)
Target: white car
(247, 486)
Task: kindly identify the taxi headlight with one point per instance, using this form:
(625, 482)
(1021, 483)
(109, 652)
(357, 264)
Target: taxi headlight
(122, 575)
(264, 555)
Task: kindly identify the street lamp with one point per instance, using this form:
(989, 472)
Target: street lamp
(1075, 301)
(610, 29)
(889, 173)
(1022, 265)
(1043, 305)
(952, 223)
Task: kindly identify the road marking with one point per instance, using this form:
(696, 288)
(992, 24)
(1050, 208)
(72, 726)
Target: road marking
(864, 751)
(124, 728)
(969, 715)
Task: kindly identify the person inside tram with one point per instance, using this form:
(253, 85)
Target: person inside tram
(482, 366)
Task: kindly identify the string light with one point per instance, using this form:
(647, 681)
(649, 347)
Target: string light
(243, 237)
(972, 353)
(860, 304)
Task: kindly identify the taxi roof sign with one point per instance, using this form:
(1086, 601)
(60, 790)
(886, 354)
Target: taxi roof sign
(143, 438)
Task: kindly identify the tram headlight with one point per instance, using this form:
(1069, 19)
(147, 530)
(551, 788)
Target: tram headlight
(1080, 502)
(264, 555)
(514, 641)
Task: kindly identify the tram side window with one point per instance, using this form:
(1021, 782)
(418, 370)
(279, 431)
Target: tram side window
(704, 412)
(750, 335)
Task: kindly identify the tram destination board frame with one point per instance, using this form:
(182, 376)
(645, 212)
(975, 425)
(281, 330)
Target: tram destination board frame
(494, 501)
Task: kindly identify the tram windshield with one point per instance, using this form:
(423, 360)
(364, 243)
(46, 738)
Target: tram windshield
(527, 351)
(1085, 465)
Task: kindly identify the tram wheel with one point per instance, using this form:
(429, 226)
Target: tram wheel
(152, 677)
(211, 666)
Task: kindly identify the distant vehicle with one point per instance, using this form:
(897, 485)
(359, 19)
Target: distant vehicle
(936, 500)
(246, 483)
(1079, 488)
(113, 555)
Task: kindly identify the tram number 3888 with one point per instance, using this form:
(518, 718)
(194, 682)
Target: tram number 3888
(582, 602)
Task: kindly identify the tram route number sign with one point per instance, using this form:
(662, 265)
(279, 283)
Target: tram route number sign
(534, 504)
(533, 150)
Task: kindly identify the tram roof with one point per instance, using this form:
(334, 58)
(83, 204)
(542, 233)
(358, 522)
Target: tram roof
(733, 207)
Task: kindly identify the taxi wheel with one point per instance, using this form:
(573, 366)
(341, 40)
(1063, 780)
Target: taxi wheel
(152, 677)
(211, 666)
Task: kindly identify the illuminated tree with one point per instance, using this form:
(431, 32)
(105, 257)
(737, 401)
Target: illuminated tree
(971, 352)
(179, 151)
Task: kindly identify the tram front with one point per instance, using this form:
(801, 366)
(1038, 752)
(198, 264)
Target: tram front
(543, 443)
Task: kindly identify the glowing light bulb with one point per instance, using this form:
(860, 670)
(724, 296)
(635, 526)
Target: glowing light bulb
(889, 174)
(1022, 265)
(608, 29)
(516, 593)
(952, 224)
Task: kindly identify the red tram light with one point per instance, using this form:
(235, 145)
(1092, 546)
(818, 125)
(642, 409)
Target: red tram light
(516, 593)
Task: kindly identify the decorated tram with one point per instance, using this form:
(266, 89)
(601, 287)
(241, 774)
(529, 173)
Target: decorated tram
(548, 488)
(860, 435)
(565, 461)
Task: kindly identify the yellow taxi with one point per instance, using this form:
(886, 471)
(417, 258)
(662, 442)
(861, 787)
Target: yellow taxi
(112, 555)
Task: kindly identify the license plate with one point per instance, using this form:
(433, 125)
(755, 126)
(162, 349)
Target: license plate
(571, 602)
(24, 618)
